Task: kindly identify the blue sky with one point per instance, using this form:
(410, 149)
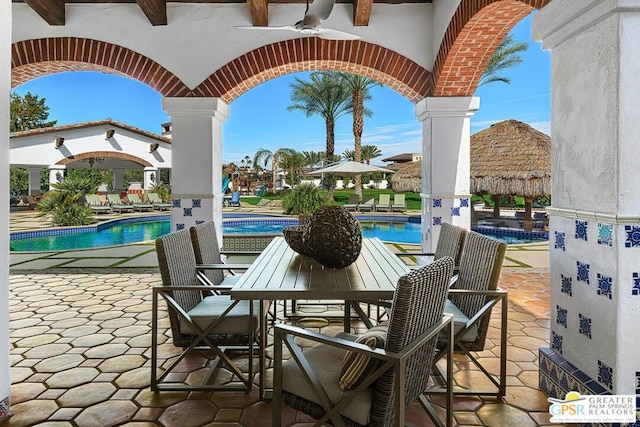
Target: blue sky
(259, 118)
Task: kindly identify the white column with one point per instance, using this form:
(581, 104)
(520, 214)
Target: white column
(118, 180)
(594, 221)
(34, 181)
(56, 174)
(446, 127)
(5, 85)
(196, 160)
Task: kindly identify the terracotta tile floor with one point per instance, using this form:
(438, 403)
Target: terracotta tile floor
(80, 357)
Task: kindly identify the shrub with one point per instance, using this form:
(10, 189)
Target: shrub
(304, 200)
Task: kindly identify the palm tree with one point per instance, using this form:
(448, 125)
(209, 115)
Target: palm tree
(349, 154)
(264, 155)
(312, 158)
(505, 56)
(370, 152)
(359, 88)
(326, 96)
(293, 162)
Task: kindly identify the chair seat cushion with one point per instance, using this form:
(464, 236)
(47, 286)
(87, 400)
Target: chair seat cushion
(324, 359)
(211, 307)
(459, 322)
(356, 367)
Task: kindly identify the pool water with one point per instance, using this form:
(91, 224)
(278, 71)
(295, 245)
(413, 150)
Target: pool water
(127, 233)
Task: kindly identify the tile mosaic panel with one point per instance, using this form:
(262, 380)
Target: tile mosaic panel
(561, 316)
(584, 323)
(583, 272)
(605, 374)
(581, 230)
(556, 342)
(565, 286)
(605, 234)
(559, 241)
(605, 286)
(633, 236)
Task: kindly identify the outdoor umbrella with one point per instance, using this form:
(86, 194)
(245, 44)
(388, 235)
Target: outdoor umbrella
(350, 168)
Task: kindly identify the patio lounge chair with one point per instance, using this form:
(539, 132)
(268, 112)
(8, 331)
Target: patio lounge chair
(201, 320)
(399, 204)
(352, 203)
(471, 298)
(368, 204)
(117, 205)
(375, 385)
(157, 202)
(134, 198)
(96, 206)
(235, 199)
(384, 203)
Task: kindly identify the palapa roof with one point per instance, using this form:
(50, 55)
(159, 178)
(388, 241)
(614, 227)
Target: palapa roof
(408, 178)
(511, 158)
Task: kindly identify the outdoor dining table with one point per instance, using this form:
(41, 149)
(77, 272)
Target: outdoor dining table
(279, 273)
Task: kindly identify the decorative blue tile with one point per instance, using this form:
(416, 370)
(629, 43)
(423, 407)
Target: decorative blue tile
(560, 239)
(464, 203)
(4, 409)
(637, 382)
(455, 211)
(581, 230)
(633, 236)
(198, 222)
(605, 234)
(583, 272)
(437, 220)
(188, 212)
(584, 325)
(636, 284)
(176, 203)
(180, 226)
(556, 342)
(196, 203)
(437, 203)
(561, 316)
(565, 287)
(605, 284)
(605, 374)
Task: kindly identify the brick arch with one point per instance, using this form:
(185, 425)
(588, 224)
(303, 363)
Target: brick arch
(111, 154)
(474, 33)
(312, 53)
(34, 58)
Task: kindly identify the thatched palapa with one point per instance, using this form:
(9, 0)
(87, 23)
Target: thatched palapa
(408, 178)
(511, 158)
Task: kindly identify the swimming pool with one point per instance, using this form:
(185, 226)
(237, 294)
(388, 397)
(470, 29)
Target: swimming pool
(134, 230)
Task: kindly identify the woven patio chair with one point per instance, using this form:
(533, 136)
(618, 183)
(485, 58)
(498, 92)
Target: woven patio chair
(201, 320)
(380, 382)
(450, 243)
(471, 299)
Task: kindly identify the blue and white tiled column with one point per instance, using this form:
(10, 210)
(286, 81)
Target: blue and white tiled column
(595, 218)
(446, 133)
(196, 175)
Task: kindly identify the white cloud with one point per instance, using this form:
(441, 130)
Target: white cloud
(544, 127)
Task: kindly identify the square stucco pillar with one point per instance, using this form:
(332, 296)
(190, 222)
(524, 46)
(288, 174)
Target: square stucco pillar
(446, 135)
(5, 87)
(196, 160)
(595, 213)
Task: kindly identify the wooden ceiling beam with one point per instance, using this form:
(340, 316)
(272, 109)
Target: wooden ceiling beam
(156, 11)
(51, 11)
(362, 12)
(258, 9)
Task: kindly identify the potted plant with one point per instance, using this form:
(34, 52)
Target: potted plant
(303, 201)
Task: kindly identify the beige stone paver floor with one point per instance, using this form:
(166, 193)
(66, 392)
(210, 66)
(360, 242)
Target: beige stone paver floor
(80, 357)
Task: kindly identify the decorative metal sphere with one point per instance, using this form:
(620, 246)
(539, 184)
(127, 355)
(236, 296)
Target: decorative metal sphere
(333, 237)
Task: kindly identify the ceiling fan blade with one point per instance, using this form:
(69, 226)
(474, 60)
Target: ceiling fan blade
(251, 27)
(321, 9)
(331, 34)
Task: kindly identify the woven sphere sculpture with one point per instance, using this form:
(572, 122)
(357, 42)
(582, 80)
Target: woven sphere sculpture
(293, 236)
(333, 237)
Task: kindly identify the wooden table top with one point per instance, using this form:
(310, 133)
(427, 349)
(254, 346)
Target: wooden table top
(280, 273)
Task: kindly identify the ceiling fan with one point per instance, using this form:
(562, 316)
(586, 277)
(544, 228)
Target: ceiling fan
(311, 24)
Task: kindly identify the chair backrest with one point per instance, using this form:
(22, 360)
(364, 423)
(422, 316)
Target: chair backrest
(479, 269)
(369, 200)
(154, 198)
(92, 200)
(398, 199)
(235, 196)
(418, 303)
(114, 199)
(205, 246)
(134, 198)
(353, 199)
(177, 263)
(384, 199)
(450, 242)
